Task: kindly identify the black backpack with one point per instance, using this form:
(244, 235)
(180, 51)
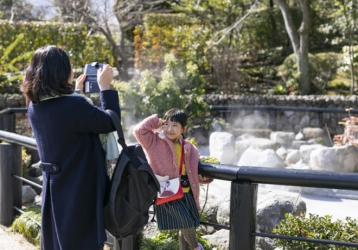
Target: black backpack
(132, 191)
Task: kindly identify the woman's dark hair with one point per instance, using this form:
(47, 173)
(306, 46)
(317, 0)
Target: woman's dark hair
(48, 74)
(176, 115)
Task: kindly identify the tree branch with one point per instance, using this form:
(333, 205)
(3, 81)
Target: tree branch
(227, 30)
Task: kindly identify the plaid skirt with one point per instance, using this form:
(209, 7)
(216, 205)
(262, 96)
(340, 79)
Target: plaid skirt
(178, 214)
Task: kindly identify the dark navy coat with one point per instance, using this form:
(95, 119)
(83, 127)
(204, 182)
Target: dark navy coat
(74, 172)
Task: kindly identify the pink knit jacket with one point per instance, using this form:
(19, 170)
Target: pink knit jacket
(161, 155)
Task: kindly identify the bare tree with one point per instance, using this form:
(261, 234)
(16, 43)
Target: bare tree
(17, 10)
(299, 39)
(67, 10)
(114, 21)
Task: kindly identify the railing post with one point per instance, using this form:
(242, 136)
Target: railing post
(272, 119)
(320, 119)
(242, 216)
(129, 243)
(8, 122)
(17, 170)
(6, 184)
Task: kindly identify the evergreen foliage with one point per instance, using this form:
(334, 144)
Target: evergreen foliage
(318, 227)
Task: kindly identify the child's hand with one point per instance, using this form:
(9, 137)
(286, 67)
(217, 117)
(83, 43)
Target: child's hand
(161, 122)
(79, 83)
(204, 179)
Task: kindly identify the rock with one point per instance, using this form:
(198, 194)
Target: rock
(316, 133)
(284, 138)
(260, 143)
(261, 158)
(293, 157)
(337, 159)
(272, 207)
(223, 214)
(210, 207)
(306, 151)
(37, 180)
(298, 144)
(299, 136)
(222, 147)
(216, 126)
(38, 200)
(28, 194)
(200, 134)
(282, 153)
(219, 239)
(34, 170)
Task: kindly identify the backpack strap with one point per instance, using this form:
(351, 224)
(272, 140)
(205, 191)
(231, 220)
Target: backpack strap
(117, 123)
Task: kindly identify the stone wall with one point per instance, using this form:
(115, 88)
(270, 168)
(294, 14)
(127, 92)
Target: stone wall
(292, 121)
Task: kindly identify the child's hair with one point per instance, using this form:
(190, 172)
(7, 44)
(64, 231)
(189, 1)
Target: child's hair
(176, 115)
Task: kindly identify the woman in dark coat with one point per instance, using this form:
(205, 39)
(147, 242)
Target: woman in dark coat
(66, 129)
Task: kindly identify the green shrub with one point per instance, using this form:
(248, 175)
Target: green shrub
(26, 224)
(322, 68)
(21, 39)
(25, 161)
(180, 86)
(315, 227)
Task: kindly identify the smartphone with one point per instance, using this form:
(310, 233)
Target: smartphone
(90, 84)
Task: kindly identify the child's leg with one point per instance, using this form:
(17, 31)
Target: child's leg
(190, 237)
(183, 245)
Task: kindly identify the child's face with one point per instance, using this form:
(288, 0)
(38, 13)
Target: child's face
(172, 130)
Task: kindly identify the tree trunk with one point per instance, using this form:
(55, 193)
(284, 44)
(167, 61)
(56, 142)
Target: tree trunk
(299, 40)
(305, 84)
(117, 53)
(351, 61)
(124, 58)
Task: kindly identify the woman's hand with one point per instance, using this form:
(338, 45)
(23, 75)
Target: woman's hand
(79, 83)
(105, 77)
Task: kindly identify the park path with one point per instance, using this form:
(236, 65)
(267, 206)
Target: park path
(13, 241)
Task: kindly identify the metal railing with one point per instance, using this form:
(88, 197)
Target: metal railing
(243, 198)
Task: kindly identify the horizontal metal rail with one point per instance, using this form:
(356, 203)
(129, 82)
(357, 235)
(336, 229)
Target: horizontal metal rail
(253, 175)
(23, 212)
(278, 176)
(281, 108)
(12, 111)
(27, 181)
(320, 241)
(18, 139)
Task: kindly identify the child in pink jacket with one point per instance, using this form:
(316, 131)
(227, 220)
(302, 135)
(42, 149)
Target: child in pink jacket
(163, 151)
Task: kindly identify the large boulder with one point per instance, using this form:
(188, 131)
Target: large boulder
(293, 157)
(272, 207)
(261, 158)
(338, 159)
(259, 143)
(284, 138)
(28, 194)
(220, 239)
(222, 147)
(306, 151)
